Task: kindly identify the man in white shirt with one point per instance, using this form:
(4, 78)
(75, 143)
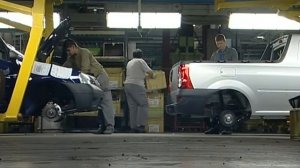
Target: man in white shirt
(135, 91)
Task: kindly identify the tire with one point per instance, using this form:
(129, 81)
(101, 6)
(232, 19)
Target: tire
(227, 119)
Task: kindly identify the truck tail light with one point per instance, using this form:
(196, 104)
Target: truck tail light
(184, 77)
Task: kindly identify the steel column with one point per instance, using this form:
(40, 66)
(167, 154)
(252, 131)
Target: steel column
(15, 24)
(38, 13)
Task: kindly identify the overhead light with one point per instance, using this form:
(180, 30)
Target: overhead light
(261, 22)
(148, 20)
(24, 19)
(260, 37)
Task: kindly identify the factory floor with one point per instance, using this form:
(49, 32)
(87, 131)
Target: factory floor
(125, 150)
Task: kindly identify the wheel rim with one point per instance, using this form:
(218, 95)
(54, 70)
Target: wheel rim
(51, 113)
(228, 119)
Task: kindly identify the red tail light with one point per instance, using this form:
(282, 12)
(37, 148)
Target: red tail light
(184, 77)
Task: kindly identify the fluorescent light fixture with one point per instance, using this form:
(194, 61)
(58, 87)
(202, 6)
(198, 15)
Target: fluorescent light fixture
(261, 22)
(24, 19)
(148, 20)
(260, 37)
(122, 20)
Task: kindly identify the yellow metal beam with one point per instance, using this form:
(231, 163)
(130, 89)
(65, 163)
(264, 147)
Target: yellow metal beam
(294, 15)
(285, 7)
(48, 18)
(26, 10)
(15, 24)
(274, 4)
(49, 22)
(14, 7)
(38, 13)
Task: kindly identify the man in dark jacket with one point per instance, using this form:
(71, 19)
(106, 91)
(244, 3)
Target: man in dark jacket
(224, 53)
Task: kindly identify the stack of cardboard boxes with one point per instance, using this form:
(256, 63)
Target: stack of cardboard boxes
(116, 78)
(155, 97)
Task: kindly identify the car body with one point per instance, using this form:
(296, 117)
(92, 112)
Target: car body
(247, 88)
(52, 90)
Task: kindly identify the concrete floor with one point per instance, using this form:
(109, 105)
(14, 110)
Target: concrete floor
(178, 150)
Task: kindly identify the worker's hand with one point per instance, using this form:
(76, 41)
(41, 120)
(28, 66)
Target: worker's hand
(150, 75)
(153, 76)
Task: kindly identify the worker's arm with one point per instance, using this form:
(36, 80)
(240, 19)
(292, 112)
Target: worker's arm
(147, 69)
(85, 62)
(67, 63)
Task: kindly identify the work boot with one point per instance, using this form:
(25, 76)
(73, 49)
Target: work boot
(140, 129)
(109, 129)
(100, 130)
(226, 131)
(212, 131)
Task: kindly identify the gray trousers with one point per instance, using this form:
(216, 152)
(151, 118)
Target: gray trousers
(138, 105)
(107, 102)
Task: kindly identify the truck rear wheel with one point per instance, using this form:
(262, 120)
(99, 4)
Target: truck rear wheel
(227, 118)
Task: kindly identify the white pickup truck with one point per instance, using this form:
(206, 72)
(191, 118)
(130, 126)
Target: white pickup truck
(235, 91)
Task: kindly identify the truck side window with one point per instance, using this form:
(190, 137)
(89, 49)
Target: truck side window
(267, 53)
(277, 53)
(272, 53)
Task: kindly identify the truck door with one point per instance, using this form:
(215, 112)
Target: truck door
(278, 82)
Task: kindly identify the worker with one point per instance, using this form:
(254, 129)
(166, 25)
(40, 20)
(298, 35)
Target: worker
(224, 53)
(82, 59)
(135, 91)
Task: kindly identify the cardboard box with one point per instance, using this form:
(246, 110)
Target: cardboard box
(155, 99)
(115, 77)
(117, 108)
(159, 81)
(114, 70)
(155, 126)
(155, 113)
(115, 81)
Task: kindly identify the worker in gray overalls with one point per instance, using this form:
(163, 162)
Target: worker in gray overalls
(83, 59)
(135, 91)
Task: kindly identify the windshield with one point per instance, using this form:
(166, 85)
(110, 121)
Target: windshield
(53, 40)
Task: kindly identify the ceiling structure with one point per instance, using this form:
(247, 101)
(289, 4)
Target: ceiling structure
(193, 11)
(198, 12)
(286, 8)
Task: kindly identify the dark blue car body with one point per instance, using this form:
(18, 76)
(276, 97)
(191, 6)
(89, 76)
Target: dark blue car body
(76, 93)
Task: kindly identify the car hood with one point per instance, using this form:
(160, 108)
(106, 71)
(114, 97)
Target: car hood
(58, 34)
